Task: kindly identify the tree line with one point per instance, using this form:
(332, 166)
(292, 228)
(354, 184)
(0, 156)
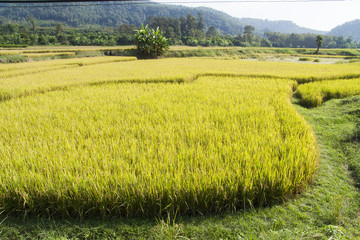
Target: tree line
(185, 30)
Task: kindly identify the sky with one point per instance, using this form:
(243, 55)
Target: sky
(315, 14)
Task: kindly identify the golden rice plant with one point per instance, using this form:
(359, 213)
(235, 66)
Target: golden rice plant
(50, 54)
(53, 49)
(10, 52)
(24, 69)
(216, 144)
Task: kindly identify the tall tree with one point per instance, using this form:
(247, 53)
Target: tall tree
(248, 33)
(174, 23)
(58, 29)
(212, 32)
(319, 42)
(127, 29)
(191, 22)
(33, 23)
(201, 22)
(183, 26)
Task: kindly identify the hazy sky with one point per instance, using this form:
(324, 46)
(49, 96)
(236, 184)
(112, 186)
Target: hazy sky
(316, 14)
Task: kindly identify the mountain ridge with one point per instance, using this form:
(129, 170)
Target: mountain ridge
(105, 14)
(347, 29)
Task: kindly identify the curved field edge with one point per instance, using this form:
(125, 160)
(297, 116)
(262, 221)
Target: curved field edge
(150, 149)
(316, 93)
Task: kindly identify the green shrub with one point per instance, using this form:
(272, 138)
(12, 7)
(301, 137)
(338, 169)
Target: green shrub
(347, 58)
(349, 52)
(305, 59)
(150, 42)
(317, 60)
(13, 46)
(13, 59)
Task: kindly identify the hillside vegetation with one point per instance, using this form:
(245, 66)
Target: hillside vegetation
(113, 14)
(348, 29)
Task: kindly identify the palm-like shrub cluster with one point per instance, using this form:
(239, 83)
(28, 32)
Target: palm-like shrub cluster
(150, 42)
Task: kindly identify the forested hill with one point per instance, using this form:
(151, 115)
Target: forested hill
(277, 26)
(114, 14)
(348, 29)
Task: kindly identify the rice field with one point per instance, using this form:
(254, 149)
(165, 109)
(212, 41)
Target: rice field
(125, 137)
(60, 49)
(25, 78)
(315, 93)
(38, 55)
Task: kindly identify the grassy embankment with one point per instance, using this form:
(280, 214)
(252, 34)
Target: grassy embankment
(44, 52)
